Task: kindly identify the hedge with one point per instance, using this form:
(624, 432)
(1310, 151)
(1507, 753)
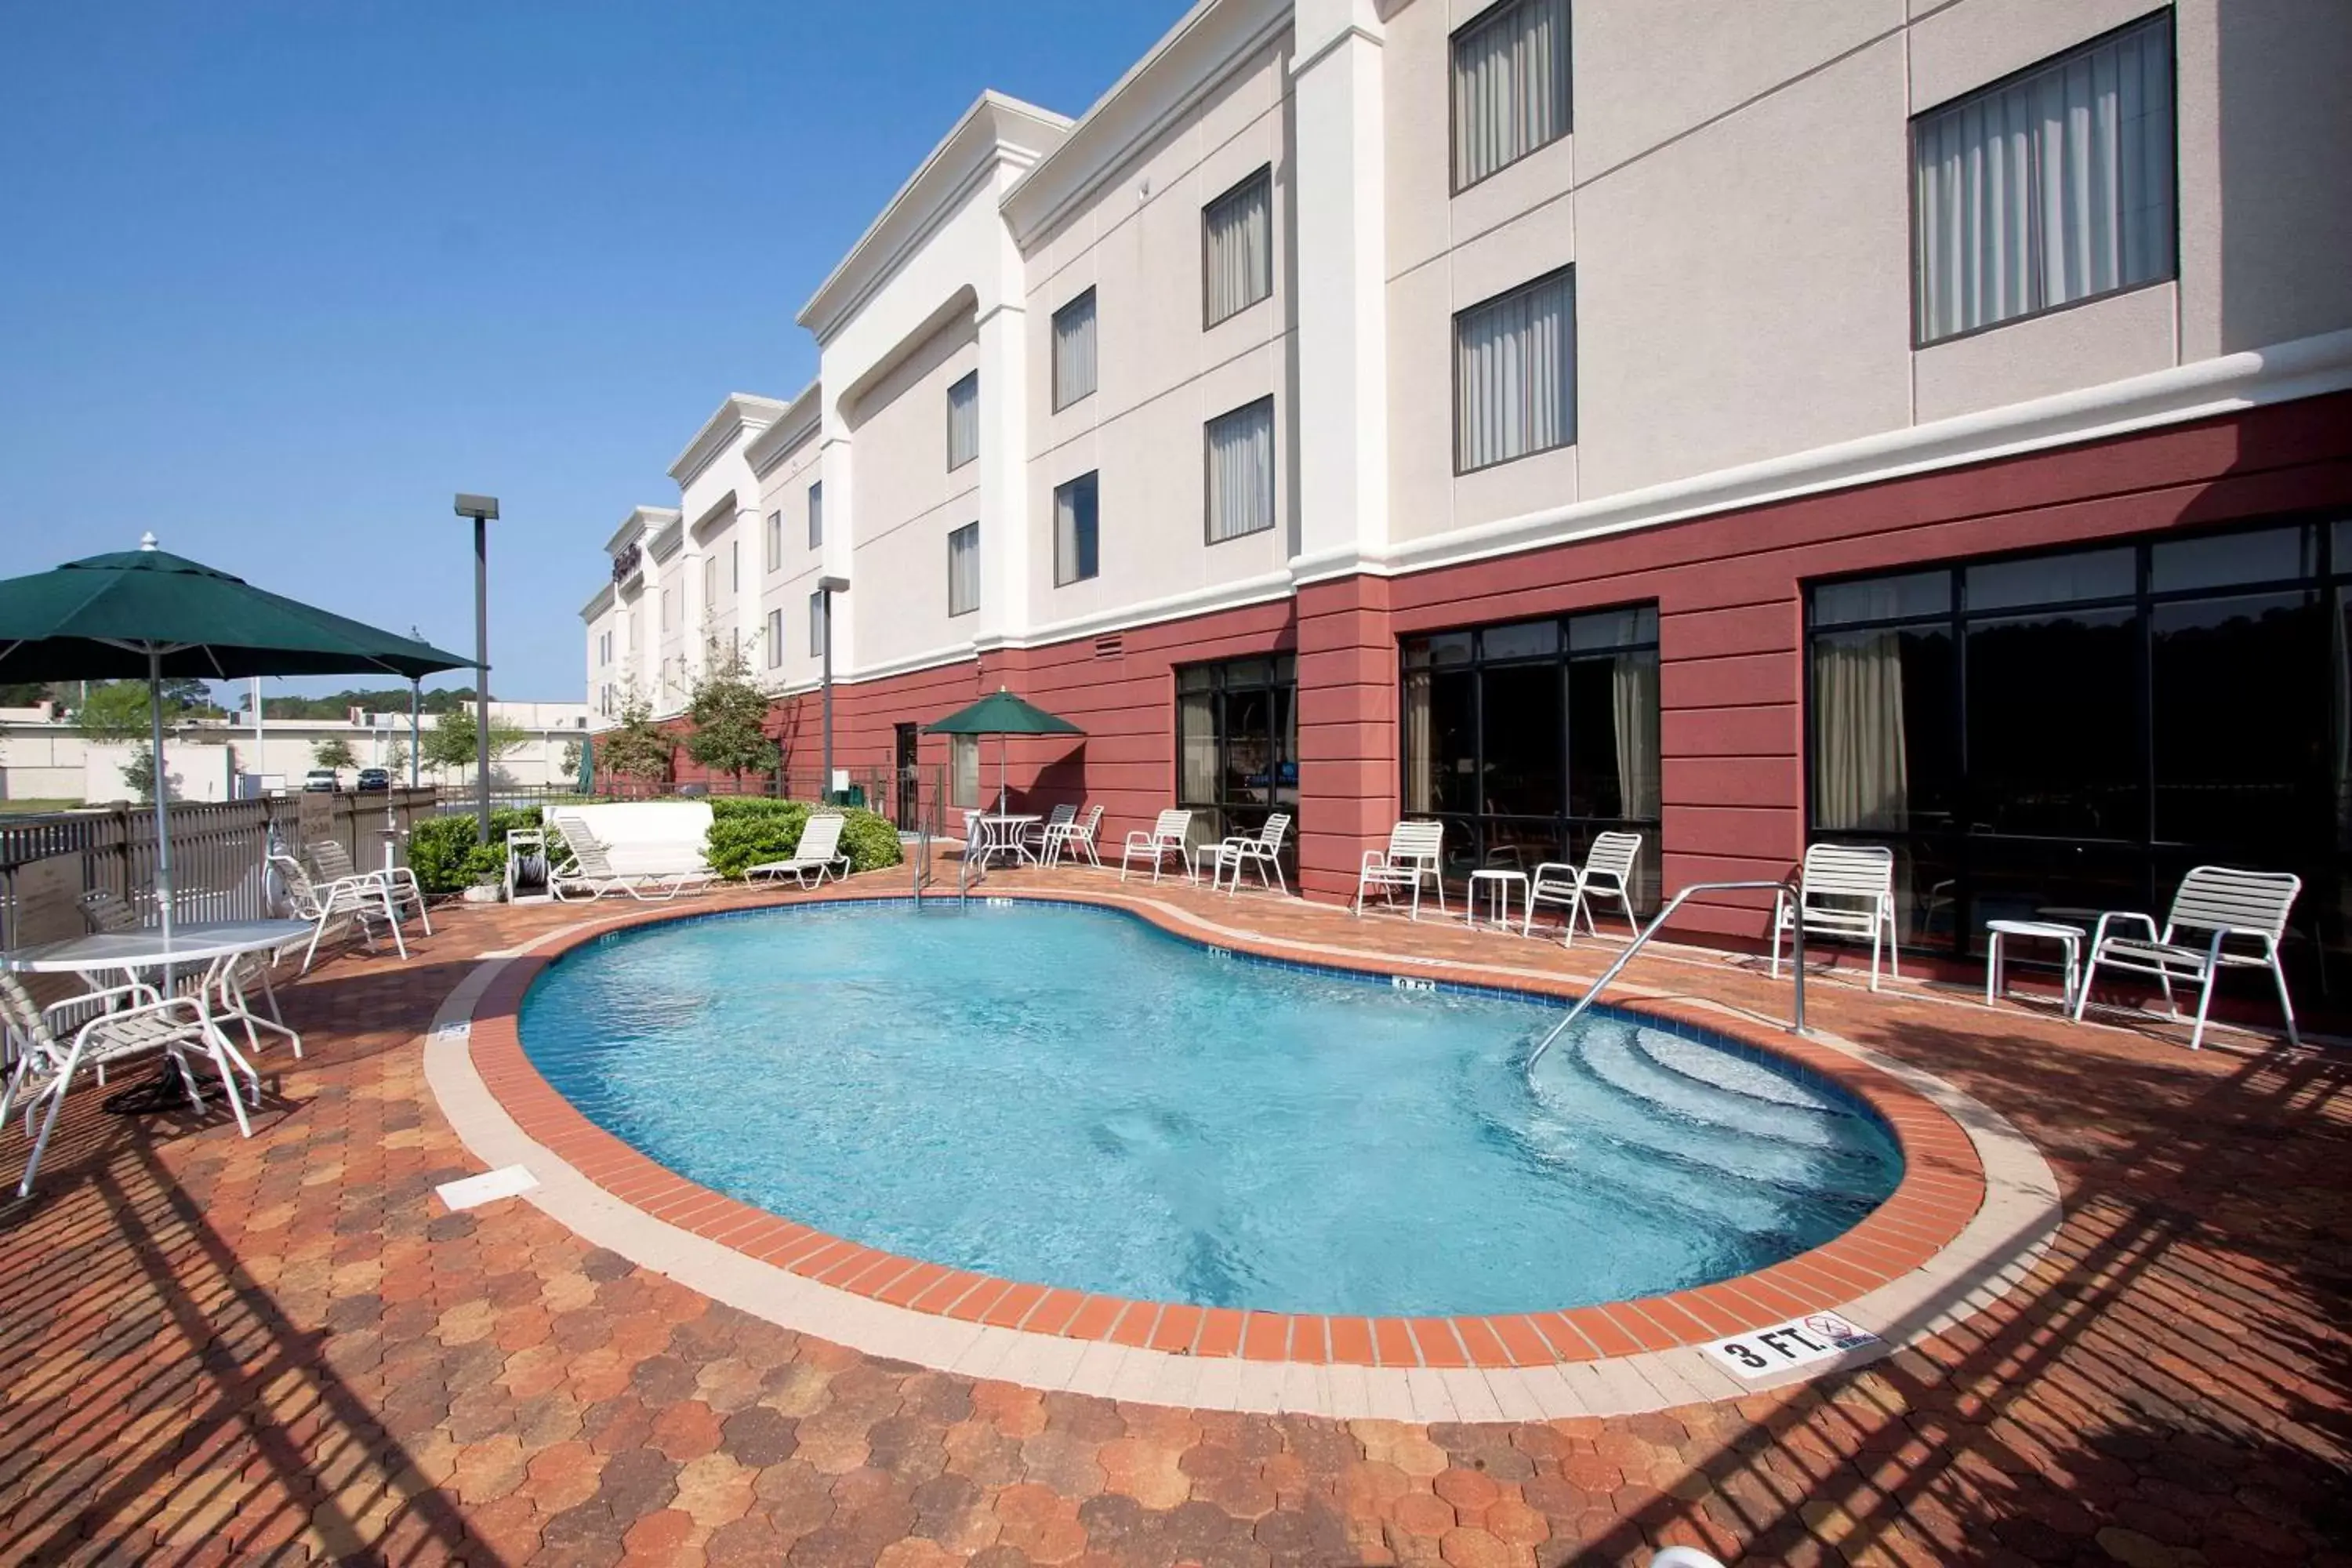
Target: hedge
(443, 854)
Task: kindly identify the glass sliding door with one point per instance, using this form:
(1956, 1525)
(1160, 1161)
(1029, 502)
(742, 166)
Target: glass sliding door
(2071, 731)
(1237, 748)
(1528, 739)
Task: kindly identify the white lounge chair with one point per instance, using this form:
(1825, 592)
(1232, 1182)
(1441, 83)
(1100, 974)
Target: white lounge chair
(2217, 903)
(1413, 857)
(1168, 836)
(1077, 833)
(1842, 890)
(330, 905)
(818, 851)
(656, 844)
(1262, 849)
(333, 862)
(1606, 873)
(588, 873)
(141, 1024)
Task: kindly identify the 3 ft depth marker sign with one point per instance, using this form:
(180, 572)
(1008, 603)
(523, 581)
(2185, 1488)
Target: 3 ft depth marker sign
(1817, 1336)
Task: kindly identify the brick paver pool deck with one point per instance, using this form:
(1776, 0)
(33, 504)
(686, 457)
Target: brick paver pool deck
(215, 1350)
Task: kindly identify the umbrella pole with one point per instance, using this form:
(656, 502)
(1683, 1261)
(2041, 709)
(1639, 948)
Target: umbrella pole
(1003, 801)
(161, 792)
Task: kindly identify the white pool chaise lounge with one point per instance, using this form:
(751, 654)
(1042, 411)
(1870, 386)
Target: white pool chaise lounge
(652, 850)
(819, 851)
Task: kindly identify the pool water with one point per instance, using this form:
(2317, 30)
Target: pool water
(1069, 1096)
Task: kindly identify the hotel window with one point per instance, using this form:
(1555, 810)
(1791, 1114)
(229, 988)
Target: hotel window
(1237, 248)
(963, 570)
(666, 593)
(1240, 447)
(1073, 350)
(816, 624)
(1237, 747)
(2047, 188)
(2049, 733)
(1074, 530)
(775, 639)
(1511, 87)
(1515, 374)
(734, 565)
(709, 584)
(1530, 739)
(963, 420)
(963, 767)
(775, 559)
(816, 514)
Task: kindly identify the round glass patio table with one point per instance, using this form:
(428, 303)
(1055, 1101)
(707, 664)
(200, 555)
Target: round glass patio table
(214, 945)
(1005, 831)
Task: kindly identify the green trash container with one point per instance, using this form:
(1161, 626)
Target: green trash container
(854, 796)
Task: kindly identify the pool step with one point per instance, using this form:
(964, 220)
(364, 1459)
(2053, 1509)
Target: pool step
(1612, 1051)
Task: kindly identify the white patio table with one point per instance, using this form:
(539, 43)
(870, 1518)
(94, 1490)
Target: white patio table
(1005, 831)
(214, 945)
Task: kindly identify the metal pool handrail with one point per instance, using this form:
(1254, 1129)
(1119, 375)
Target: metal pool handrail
(1796, 1023)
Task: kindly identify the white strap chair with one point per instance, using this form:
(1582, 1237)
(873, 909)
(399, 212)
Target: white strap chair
(1077, 833)
(818, 852)
(1842, 890)
(1262, 849)
(401, 890)
(1606, 873)
(338, 903)
(1412, 857)
(2216, 903)
(1171, 835)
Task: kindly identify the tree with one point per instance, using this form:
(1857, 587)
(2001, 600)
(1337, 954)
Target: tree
(449, 743)
(636, 748)
(730, 714)
(138, 772)
(117, 712)
(396, 757)
(334, 751)
(571, 761)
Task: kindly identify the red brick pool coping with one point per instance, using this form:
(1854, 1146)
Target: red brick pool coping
(1943, 1186)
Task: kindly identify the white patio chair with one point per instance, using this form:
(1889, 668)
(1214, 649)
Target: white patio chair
(1077, 833)
(587, 872)
(1168, 837)
(337, 904)
(1412, 856)
(1606, 873)
(2217, 903)
(818, 851)
(1039, 834)
(1262, 849)
(401, 890)
(1842, 890)
(141, 1024)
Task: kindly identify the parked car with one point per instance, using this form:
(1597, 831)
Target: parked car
(374, 778)
(321, 780)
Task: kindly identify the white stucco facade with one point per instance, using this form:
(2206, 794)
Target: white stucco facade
(1734, 195)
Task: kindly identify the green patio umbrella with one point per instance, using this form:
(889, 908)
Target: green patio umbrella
(146, 614)
(1000, 714)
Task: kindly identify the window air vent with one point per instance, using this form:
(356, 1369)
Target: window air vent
(1112, 646)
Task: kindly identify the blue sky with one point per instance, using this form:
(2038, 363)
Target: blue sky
(280, 279)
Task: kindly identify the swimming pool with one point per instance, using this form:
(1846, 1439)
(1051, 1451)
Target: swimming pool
(1068, 1096)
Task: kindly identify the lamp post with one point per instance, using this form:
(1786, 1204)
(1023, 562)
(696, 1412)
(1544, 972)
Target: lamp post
(827, 588)
(481, 509)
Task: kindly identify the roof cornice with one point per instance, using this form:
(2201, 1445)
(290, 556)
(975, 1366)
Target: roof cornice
(664, 544)
(742, 411)
(1185, 66)
(996, 130)
(639, 520)
(795, 425)
(598, 604)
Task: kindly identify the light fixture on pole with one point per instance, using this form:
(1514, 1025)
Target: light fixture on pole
(416, 730)
(482, 510)
(827, 588)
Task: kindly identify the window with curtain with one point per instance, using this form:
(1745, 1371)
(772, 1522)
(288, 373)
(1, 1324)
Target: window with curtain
(1074, 530)
(2050, 187)
(816, 624)
(963, 767)
(1241, 471)
(775, 639)
(734, 565)
(1237, 248)
(1510, 86)
(1073, 350)
(816, 515)
(963, 420)
(1515, 374)
(963, 570)
(709, 584)
(2074, 730)
(1530, 739)
(775, 553)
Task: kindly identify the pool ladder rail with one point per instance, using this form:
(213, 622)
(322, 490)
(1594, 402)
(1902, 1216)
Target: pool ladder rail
(1642, 940)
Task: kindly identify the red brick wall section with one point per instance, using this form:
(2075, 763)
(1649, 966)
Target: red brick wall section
(1348, 738)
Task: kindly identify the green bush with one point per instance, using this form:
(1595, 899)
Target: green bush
(746, 830)
(443, 854)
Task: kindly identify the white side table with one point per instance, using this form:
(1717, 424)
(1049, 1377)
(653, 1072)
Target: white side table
(2069, 938)
(1499, 884)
